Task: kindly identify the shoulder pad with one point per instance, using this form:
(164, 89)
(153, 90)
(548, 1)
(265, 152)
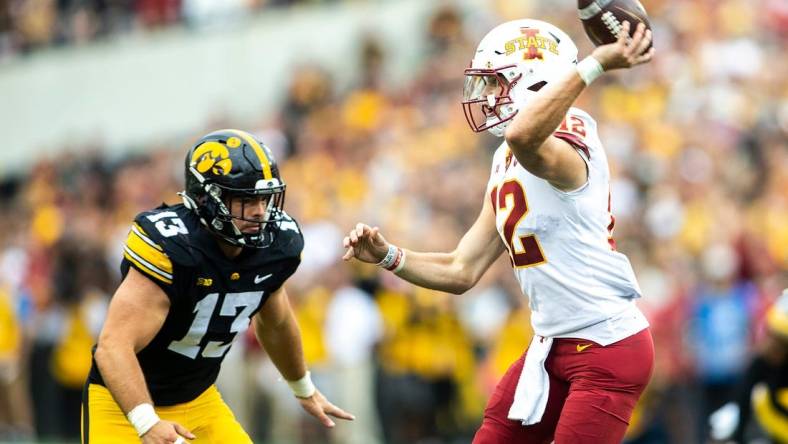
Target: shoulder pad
(284, 254)
(170, 230)
(501, 151)
(289, 240)
(579, 129)
(581, 113)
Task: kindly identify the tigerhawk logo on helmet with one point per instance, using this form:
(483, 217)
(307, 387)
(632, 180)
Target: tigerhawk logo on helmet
(232, 164)
(512, 62)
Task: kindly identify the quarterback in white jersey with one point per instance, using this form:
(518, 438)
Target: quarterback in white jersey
(560, 243)
(547, 204)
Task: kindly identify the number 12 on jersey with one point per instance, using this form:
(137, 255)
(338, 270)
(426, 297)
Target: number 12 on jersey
(524, 251)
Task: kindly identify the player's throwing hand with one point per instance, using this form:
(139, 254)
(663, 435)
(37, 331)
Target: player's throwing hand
(365, 243)
(626, 52)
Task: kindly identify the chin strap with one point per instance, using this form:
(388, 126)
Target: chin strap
(499, 129)
(215, 223)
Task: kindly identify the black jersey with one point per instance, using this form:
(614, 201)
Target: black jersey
(763, 393)
(212, 297)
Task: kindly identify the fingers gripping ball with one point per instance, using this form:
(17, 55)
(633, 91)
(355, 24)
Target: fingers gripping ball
(604, 19)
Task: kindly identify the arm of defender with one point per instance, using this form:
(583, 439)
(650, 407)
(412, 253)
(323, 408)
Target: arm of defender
(277, 331)
(530, 135)
(454, 272)
(136, 313)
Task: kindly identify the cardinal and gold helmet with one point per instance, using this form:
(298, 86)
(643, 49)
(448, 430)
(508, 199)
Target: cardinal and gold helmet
(513, 62)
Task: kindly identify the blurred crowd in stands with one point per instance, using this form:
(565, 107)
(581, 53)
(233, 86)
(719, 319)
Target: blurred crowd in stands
(29, 25)
(698, 146)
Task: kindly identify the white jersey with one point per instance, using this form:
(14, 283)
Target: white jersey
(561, 247)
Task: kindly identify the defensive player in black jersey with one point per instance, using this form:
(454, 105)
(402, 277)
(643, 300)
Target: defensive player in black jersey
(195, 275)
(762, 394)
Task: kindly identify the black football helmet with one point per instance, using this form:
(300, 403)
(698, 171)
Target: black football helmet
(232, 164)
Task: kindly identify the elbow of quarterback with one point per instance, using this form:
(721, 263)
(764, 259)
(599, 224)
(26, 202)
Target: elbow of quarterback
(457, 289)
(522, 139)
(459, 286)
(460, 277)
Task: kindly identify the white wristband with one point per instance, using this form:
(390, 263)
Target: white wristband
(387, 260)
(589, 69)
(303, 388)
(401, 264)
(143, 417)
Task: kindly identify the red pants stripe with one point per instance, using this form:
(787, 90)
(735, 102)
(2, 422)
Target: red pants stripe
(593, 390)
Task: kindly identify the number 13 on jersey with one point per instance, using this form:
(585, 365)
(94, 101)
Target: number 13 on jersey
(524, 250)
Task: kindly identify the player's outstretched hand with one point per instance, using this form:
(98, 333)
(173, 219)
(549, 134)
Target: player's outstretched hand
(166, 432)
(626, 52)
(366, 244)
(318, 406)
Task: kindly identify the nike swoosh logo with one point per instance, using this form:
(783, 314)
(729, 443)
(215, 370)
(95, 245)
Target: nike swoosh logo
(258, 279)
(583, 347)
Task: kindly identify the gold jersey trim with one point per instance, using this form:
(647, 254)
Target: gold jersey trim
(147, 255)
(144, 236)
(770, 418)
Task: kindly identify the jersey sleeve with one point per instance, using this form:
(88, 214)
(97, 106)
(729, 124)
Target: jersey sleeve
(292, 248)
(157, 247)
(579, 130)
(147, 256)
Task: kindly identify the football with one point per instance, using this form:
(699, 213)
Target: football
(602, 19)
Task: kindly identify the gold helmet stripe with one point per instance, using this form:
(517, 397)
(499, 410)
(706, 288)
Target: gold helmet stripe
(258, 150)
